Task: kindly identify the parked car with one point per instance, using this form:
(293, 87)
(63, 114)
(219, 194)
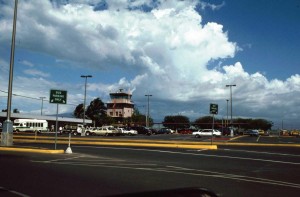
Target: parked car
(70, 128)
(128, 131)
(105, 130)
(153, 131)
(94, 131)
(142, 130)
(295, 133)
(185, 131)
(284, 132)
(207, 132)
(252, 132)
(164, 131)
(78, 130)
(261, 132)
(227, 131)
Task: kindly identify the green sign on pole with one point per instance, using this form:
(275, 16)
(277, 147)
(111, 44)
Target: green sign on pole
(213, 108)
(58, 96)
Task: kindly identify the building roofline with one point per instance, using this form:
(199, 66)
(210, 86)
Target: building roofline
(49, 118)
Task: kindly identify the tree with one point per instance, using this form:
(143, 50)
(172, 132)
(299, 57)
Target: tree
(138, 118)
(204, 122)
(96, 108)
(78, 112)
(96, 111)
(261, 124)
(243, 123)
(176, 122)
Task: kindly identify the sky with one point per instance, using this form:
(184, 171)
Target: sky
(183, 53)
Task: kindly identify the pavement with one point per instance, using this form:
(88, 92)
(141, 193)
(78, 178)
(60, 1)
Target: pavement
(132, 142)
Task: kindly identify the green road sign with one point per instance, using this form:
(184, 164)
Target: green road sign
(58, 96)
(213, 108)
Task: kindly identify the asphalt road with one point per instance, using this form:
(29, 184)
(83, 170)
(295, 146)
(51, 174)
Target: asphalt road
(103, 171)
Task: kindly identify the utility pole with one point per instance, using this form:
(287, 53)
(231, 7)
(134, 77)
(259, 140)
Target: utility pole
(148, 113)
(230, 86)
(226, 122)
(42, 104)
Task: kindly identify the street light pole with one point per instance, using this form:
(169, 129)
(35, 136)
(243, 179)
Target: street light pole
(7, 131)
(42, 104)
(230, 86)
(148, 113)
(226, 123)
(84, 101)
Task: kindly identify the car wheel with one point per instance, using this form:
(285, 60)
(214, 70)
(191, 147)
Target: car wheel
(75, 133)
(87, 133)
(197, 136)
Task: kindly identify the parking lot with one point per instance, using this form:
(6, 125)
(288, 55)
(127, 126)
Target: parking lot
(238, 139)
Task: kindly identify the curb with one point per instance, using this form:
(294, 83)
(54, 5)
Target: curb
(135, 144)
(256, 144)
(31, 150)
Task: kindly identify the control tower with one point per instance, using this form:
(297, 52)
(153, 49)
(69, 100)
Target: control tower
(120, 105)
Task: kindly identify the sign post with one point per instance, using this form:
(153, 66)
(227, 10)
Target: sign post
(57, 97)
(213, 109)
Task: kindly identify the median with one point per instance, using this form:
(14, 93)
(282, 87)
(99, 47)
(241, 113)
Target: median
(115, 142)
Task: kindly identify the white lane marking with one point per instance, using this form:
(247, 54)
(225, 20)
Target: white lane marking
(258, 138)
(259, 152)
(197, 154)
(209, 174)
(13, 192)
(83, 156)
(69, 158)
(233, 175)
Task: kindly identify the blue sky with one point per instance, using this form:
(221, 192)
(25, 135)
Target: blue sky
(181, 52)
(268, 32)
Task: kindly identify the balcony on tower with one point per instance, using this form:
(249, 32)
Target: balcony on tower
(120, 105)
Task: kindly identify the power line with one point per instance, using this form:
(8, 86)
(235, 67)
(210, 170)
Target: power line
(33, 97)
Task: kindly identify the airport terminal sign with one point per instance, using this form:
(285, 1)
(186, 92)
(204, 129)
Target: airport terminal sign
(213, 109)
(58, 96)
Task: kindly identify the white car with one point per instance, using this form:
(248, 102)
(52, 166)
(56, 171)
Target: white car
(105, 130)
(126, 131)
(207, 132)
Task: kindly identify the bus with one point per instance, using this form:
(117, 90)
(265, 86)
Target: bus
(31, 125)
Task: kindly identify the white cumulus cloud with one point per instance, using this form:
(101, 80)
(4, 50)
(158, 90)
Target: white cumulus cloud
(168, 47)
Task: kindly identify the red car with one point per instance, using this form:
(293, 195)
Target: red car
(185, 131)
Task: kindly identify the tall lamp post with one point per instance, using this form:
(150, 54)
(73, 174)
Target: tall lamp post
(148, 111)
(7, 131)
(226, 122)
(42, 104)
(84, 76)
(230, 86)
